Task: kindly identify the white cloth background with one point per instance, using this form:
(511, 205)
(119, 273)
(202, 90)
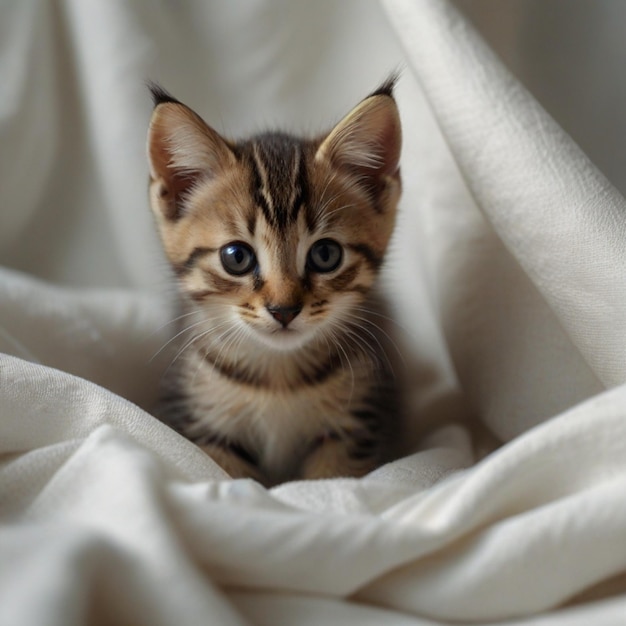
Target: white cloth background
(506, 272)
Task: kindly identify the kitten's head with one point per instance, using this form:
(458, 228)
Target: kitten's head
(279, 236)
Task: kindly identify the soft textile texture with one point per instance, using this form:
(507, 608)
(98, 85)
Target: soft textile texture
(506, 276)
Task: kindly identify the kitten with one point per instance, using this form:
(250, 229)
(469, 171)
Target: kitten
(283, 370)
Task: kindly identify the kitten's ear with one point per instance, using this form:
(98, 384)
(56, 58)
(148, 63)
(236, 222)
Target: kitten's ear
(182, 149)
(368, 140)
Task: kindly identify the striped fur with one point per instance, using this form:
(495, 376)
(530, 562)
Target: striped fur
(282, 369)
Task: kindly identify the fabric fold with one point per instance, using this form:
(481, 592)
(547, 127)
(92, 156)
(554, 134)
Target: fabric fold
(561, 219)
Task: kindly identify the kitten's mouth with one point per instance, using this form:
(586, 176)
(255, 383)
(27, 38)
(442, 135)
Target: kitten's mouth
(285, 334)
(283, 338)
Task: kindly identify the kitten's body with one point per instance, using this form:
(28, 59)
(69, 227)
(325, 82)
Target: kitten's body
(284, 369)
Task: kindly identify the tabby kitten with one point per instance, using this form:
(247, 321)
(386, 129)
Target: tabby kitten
(283, 370)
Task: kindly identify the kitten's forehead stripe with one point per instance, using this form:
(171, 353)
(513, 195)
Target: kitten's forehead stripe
(264, 172)
(300, 185)
(257, 184)
(279, 176)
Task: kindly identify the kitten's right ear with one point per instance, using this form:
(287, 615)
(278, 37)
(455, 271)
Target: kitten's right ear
(182, 149)
(368, 140)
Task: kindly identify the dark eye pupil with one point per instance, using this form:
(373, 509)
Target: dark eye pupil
(325, 256)
(324, 253)
(237, 258)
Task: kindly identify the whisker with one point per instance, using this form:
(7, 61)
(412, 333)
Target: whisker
(380, 357)
(232, 333)
(192, 341)
(360, 318)
(176, 319)
(362, 344)
(341, 208)
(366, 349)
(343, 351)
(387, 318)
(171, 339)
(389, 338)
(323, 202)
(206, 353)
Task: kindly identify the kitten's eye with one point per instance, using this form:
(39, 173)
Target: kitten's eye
(237, 258)
(324, 256)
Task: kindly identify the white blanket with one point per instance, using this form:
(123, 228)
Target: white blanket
(507, 274)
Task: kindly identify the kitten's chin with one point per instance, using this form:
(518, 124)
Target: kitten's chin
(284, 340)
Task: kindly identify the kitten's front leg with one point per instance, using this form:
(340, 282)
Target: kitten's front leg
(233, 464)
(349, 454)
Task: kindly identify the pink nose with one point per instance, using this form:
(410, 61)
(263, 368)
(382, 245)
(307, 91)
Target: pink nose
(284, 314)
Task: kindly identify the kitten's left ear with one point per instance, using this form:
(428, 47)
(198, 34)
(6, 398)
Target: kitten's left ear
(367, 142)
(182, 150)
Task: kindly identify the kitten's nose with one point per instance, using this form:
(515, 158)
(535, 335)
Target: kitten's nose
(284, 314)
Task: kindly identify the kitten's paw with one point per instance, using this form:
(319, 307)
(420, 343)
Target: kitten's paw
(233, 464)
(334, 458)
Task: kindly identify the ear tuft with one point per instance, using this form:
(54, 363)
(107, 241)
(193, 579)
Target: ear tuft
(160, 95)
(367, 142)
(182, 149)
(386, 88)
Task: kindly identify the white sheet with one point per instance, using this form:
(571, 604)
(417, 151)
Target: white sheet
(507, 270)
